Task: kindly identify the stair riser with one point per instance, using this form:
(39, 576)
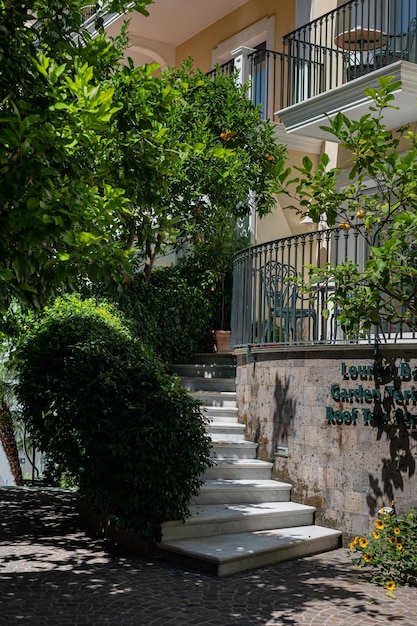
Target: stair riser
(232, 473)
(204, 371)
(294, 551)
(227, 420)
(221, 414)
(220, 358)
(214, 399)
(209, 384)
(241, 524)
(236, 496)
(227, 429)
(233, 451)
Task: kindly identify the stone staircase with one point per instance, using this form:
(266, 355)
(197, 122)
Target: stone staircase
(241, 519)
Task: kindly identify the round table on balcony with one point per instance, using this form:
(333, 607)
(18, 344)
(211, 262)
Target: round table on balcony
(358, 39)
(359, 42)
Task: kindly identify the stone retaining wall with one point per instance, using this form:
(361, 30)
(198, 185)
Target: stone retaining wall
(339, 424)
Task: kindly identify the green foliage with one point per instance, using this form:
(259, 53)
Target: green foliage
(391, 551)
(378, 204)
(169, 312)
(60, 213)
(204, 153)
(102, 162)
(208, 263)
(102, 407)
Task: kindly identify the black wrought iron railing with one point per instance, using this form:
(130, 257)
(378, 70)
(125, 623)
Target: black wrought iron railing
(226, 69)
(268, 306)
(353, 40)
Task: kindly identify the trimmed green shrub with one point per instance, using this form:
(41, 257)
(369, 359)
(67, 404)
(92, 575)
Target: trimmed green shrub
(102, 407)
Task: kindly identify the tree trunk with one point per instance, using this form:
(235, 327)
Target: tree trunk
(8, 441)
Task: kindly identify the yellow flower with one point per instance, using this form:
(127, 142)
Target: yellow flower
(392, 540)
(382, 511)
(397, 531)
(363, 542)
(352, 545)
(376, 534)
(390, 585)
(368, 558)
(393, 502)
(399, 546)
(379, 524)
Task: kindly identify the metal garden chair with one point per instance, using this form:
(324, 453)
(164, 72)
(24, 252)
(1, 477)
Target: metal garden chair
(285, 305)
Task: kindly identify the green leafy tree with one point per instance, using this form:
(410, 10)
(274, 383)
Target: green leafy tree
(104, 410)
(102, 162)
(379, 204)
(58, 212)
(204, 153)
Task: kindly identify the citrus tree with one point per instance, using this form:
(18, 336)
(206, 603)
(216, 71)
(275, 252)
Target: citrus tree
(102, 162)
(379, 204)
(58, 212)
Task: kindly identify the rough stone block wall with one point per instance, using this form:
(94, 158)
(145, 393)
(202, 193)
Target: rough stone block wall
(348, 420)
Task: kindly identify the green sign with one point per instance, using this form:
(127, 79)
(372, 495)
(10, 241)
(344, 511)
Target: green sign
(383, 403)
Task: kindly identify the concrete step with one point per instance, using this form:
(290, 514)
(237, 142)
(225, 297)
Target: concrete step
(234, 469)
(243, 491)
(230, 554)
(230, 429)
(205, 370)
(241, 519)
(221, 413)
(223, 449)
(215, 398)
(209, 384)
(226, 519)
(218, 358)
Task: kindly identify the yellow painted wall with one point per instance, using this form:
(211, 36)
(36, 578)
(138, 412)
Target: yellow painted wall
(201, 46)
(283, 221)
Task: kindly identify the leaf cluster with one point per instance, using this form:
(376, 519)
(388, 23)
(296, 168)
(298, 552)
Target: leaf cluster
(391, 550)
(375, 200)
(103, 409)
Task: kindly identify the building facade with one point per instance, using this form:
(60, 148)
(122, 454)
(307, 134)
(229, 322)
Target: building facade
(337, 417)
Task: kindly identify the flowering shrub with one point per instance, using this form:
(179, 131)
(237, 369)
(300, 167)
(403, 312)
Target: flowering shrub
(391, 550)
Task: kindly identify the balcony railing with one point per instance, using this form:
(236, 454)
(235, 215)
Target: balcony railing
(269, 308)
(353, 40)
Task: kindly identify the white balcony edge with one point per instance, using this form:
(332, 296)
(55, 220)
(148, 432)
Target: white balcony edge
(307, 117)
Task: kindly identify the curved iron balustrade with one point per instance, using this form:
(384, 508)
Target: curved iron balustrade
(270, 308)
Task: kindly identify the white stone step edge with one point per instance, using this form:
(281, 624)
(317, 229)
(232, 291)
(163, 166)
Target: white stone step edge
(214, 519)
(240, 552)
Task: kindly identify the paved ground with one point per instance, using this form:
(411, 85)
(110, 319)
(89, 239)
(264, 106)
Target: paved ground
(52, 574)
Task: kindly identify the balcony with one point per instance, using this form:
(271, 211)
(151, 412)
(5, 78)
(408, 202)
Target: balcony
(270, 310)
(326, 65)
(333, 59)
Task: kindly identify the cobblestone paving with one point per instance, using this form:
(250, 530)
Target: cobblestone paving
(53, 574)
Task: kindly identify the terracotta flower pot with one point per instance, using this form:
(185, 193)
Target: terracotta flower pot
(221, 340)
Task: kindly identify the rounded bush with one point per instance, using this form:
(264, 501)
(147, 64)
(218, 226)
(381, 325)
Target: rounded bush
(102, 407)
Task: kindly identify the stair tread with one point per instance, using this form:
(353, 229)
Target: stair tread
(203, 513)
(242, 463)
(227, 483)
(235, 546)
(221, 438)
